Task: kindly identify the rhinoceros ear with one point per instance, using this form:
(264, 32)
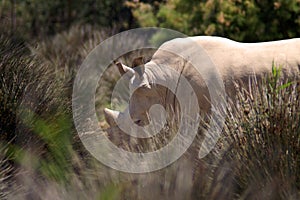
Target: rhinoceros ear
(111, 116)
(139, 66)
(123, 69)
(138, 61)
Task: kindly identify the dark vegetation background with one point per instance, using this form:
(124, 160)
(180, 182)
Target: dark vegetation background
(252, 20)
(43, 43)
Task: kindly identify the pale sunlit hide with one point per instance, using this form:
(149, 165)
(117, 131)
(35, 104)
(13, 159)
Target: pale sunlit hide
(234, 61)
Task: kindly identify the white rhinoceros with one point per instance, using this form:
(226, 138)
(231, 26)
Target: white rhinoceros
(234, 61)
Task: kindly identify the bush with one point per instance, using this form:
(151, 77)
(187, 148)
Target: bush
(249, 21)
(37, 19)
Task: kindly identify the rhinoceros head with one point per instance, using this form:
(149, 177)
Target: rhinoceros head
(142, 93)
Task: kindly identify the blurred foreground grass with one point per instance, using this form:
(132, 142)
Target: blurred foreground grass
(41, 156)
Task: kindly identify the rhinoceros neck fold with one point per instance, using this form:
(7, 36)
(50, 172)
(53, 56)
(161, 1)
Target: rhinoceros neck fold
(164, 77)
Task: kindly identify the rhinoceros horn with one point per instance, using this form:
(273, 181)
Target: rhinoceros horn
(111, 116)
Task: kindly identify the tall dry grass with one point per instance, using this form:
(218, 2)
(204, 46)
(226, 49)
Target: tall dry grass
(262, 139)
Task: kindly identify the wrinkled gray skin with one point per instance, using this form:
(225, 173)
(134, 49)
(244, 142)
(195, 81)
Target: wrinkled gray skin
(235, 62)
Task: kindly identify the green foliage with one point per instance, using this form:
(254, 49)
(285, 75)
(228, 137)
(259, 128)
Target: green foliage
(146, 15)
(111, 192)
(35, 18)
(240, 20)
(273, 81)
(56, 135)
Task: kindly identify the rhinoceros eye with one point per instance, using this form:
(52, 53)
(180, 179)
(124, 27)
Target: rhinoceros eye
(138, 122)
